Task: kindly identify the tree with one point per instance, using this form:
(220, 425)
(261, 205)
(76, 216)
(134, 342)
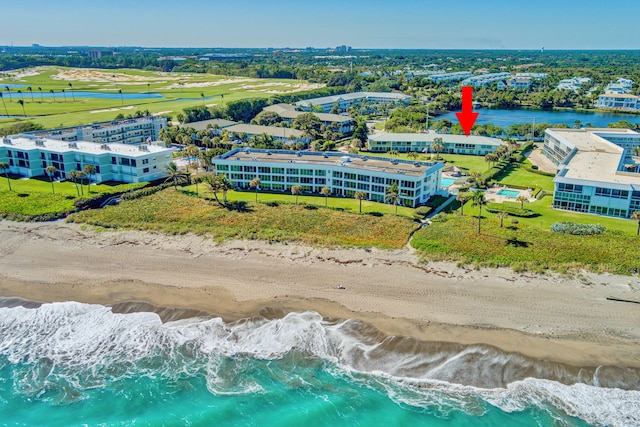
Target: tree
(462, 198)
(478, 199)
(326, 192)
(5, 105)
(194, 179)
(360, 196)
(31, 92)
(522, 199)
(267, 118)
(89, 170)
(53, 94)
(4, 167)
(296, 190)
(392, 195)
(635, 215)
(64, 94)
(438, 146)
(73, 175)
(412, 155)
(501, 216)
(121, 97)
(175, 175)
(71, 90)
(51, 171)
(41, 96)
(361, 132)
(21, 102)
(255, 183)
(202, 96)
(9, 92)
(219, 183)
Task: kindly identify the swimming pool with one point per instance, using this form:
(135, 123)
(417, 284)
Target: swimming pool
(445, 182)
(508, 193)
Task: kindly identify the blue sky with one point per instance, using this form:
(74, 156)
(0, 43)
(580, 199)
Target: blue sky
(481, 24)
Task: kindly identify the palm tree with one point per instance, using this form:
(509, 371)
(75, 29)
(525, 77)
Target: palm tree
(53, 94)
(214, 186)
(4, 167)
(194, 178)
(522, 198)
(635, 215)
(89, 170)
(462, 198)
(51, 171)
(360, 195)
(21, 95)
(74, 177)
(9, 91)
(80, 177)
(21, 102)
(71, 90)
(202, 96)
(65, 95)
(31, 92)
(501, 216)
(438, 146)
(326, 192)
(255, 183)
(478, 199)
(392, 195)
(5, 105)
(476, 177)
(41, 97)
(175, 175)
(296, 190)
(412, 155)
(225, 185)
(121, 97)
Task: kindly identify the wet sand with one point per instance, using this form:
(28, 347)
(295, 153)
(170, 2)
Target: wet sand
(548, 317)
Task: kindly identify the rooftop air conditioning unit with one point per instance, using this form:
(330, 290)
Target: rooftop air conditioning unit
(143, 147)
(71, 145)
(105, 147)
(6, 141)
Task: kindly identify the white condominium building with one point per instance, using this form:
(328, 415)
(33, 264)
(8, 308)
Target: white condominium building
(288, 112)
(421, 142)
(597, 171)
(346, 100)
(619, 101)
(29, 156)
(343, 174)
(124, 131)
(485, 79)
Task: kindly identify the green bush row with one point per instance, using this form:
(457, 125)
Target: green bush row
(511, 210)
(577, 229)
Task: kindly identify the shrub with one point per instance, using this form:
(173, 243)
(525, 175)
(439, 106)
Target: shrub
(145, 191)
(511, 210)
(272, 203)
(577, 229)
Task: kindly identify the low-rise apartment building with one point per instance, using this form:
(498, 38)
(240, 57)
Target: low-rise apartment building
(485, 79)
(597, 172)
(343, 174)
(124, 131)
(288, 112)
(29, 156)
(344, 101)
(421, 142)
(282, 134)
(620, 101)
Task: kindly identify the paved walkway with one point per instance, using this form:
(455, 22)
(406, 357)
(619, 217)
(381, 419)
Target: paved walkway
(537, 158)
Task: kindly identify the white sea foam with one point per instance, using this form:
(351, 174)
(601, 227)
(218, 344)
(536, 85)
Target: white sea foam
(88, 345)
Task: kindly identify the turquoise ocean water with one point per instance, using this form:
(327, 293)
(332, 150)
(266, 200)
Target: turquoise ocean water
(77, 364)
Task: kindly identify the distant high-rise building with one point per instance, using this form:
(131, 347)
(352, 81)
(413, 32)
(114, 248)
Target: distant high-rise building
(343, 48)
(95, 54)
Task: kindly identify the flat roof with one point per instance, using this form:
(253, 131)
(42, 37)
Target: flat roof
(25, 143)
(429, 137)
(353, 95)
(202, 125)
(618, 95)
(355, 162)
(280, 132)
(289, 111)
(97, 125)
(596, 158)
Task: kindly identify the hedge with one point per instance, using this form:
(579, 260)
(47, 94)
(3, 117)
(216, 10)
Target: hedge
(511, 210)
(577, 229)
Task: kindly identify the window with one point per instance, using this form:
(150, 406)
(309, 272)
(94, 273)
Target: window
(145, 161)
(113, 160)
(145, 170)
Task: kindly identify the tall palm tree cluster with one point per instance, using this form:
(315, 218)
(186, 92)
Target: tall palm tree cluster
(501, 154)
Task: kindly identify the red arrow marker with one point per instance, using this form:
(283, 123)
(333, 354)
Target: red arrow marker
(467, 117)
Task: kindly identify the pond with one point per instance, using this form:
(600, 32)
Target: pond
(505, 118)
(58, 95)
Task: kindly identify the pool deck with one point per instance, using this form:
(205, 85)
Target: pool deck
(491, 194)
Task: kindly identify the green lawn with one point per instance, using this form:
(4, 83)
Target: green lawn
(180, 91)
(332, 202)
(527, 246)
(463, 161)
(33, 198)
(522, 177)
(176, 212)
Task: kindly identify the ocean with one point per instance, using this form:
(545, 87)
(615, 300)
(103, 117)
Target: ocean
(72, 364)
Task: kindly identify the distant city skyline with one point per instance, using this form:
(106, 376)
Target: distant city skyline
(410, 24)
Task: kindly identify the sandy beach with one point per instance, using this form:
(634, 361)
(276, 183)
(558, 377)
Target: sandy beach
(550, 317)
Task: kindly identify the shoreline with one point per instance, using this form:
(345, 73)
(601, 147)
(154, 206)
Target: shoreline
(550, 317)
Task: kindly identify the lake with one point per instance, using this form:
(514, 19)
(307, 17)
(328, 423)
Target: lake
(58, 95)
(504, 118)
